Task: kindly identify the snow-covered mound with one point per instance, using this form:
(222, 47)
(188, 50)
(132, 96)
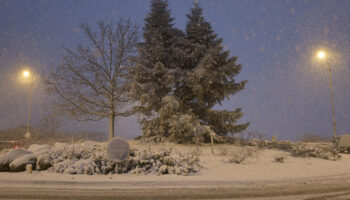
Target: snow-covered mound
(39, 149)
(20, 163)
(90, 158)
(7, 158)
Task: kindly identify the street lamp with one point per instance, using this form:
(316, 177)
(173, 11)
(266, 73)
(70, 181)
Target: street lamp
(321, 55)
(27, 75)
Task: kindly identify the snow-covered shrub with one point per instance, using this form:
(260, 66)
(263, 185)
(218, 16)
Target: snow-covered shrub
(280, 158)
(282, 145)
(164, 162)
(84, 166)
(90, 158)
(152, 140)
(238, 155)
(80, 158)
(324, 151)
(223, 151)
(196, 151)
(257, 143)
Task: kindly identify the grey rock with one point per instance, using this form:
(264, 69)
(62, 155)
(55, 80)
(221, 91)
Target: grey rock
(10, 156)
(43, 162)
(39, 149)
(20, 163)
(118, 149)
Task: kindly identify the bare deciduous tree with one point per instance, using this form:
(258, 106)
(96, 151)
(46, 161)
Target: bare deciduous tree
(91, 82)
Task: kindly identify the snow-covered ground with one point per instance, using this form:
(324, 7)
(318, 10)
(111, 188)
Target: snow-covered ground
(261, 168)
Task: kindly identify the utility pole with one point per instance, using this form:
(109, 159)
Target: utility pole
(332, 99)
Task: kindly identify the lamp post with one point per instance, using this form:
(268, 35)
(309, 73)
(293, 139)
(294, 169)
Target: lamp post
(27, 75)
(321, 55)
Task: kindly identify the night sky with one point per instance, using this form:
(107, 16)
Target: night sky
(276, 41)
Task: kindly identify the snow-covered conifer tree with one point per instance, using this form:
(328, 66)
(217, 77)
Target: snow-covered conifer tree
(178, 78)
(154, 71)
(209, 78)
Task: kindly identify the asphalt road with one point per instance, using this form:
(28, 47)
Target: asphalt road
(286, 191)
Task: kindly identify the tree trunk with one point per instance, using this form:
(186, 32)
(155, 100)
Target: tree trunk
(111, 126)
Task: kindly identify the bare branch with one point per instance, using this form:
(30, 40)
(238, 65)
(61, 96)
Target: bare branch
(91, 83)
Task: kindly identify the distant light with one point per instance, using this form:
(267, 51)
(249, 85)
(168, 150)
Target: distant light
(321, 55)
(26, 73)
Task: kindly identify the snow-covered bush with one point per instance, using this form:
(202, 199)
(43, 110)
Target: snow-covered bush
(259, 143)
(282, 145)
(148, 162)
(90, 158)
(281, 158)
(223, 151)
(73, 166)
(196, 151)
(152, 140)
(324, 151)
(240, 154)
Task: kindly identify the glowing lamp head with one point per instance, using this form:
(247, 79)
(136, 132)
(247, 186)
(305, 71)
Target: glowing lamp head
(26, 74)
(321, 55)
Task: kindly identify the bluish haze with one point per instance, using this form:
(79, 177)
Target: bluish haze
(276, 41)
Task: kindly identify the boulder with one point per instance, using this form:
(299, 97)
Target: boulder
(39, 149)
(118, 149)
(10, 156)
(20, 163)
(43, 162)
